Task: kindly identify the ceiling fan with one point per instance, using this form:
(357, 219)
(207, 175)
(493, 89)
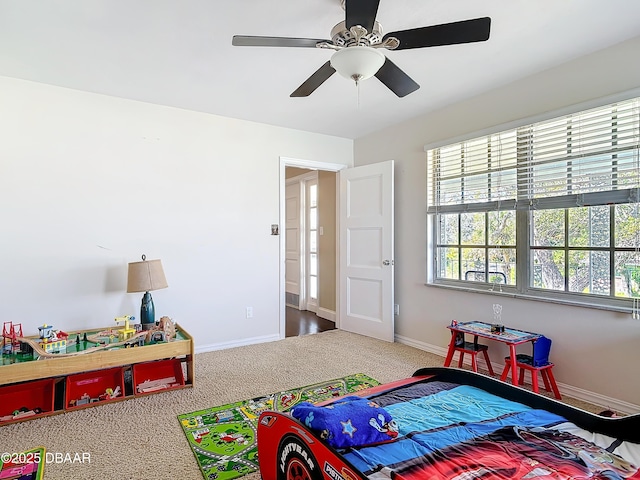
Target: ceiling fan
(358, 39)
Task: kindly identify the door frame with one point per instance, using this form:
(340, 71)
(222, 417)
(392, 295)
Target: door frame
(312, 165)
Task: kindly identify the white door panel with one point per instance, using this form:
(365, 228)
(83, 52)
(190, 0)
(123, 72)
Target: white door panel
(366, 250)
(371, 257)
(361, 291)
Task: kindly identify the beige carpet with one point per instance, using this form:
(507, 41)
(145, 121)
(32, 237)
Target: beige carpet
(142, 438)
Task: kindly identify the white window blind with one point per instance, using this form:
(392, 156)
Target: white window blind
(586, 158)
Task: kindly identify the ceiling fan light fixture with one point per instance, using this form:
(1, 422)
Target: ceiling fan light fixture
(357, 63)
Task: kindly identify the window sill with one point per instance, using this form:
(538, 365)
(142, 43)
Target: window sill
(510, 292)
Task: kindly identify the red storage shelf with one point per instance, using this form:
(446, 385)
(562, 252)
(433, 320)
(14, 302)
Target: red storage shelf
(30, 395)
(158, 375)
(91, 387)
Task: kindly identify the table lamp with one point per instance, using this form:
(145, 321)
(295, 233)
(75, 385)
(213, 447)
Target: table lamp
(146, 276)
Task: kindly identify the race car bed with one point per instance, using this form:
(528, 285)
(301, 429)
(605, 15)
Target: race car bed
(445, 423)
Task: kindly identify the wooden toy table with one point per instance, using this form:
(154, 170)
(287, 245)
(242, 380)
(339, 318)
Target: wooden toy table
(49, 383)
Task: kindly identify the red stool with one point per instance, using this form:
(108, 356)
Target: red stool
(473, 348)
(538, 362)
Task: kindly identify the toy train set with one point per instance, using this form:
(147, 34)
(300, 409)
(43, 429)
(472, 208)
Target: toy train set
(56, 343)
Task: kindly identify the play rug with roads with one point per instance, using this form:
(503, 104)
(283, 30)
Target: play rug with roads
(223, 438)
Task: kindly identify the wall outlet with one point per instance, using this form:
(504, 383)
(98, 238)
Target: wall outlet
(249, 312)
(396, 309)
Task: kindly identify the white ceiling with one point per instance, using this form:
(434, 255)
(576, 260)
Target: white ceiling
(179, 53)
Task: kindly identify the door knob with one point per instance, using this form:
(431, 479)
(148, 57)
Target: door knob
(387, 262)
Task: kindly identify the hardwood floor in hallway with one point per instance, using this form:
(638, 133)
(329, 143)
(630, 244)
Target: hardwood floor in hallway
(303, 322)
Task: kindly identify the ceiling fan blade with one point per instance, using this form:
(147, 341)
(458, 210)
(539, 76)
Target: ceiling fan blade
(395, 79)
(466, 31)
(314, 81)
(361, 12)
(251, 41)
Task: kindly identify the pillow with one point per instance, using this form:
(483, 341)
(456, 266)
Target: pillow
(349, 422)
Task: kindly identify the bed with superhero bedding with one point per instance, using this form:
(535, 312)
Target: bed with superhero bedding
(446, 423)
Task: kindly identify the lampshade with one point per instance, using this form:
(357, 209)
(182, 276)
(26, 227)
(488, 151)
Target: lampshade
(145, 276)
(357, 63)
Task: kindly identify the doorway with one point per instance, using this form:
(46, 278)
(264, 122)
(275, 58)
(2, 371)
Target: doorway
(308, 246)
(364, 272)
(309, 235)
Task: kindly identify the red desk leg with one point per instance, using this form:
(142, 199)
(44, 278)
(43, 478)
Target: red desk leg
(514, 369)
(452, 349)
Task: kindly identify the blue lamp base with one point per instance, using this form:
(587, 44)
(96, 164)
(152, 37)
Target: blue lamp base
(147, 313)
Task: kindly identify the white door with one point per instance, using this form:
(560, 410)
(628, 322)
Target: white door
(292, 243)
(366, 250)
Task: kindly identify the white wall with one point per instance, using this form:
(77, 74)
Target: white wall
(595, 351)
(89, 183)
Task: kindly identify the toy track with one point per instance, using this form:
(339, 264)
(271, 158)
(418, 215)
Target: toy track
(35, 344)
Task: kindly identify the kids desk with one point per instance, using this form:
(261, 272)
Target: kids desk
(510, 336)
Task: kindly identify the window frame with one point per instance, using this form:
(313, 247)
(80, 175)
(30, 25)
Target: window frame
(524, 249)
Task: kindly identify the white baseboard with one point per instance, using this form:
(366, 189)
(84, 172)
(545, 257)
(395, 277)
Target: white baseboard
(565, 389)
(598, 399)
(326, 314)
(238, 343)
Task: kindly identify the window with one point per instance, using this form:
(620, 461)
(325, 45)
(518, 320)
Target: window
(549, 209)
(312, 243)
